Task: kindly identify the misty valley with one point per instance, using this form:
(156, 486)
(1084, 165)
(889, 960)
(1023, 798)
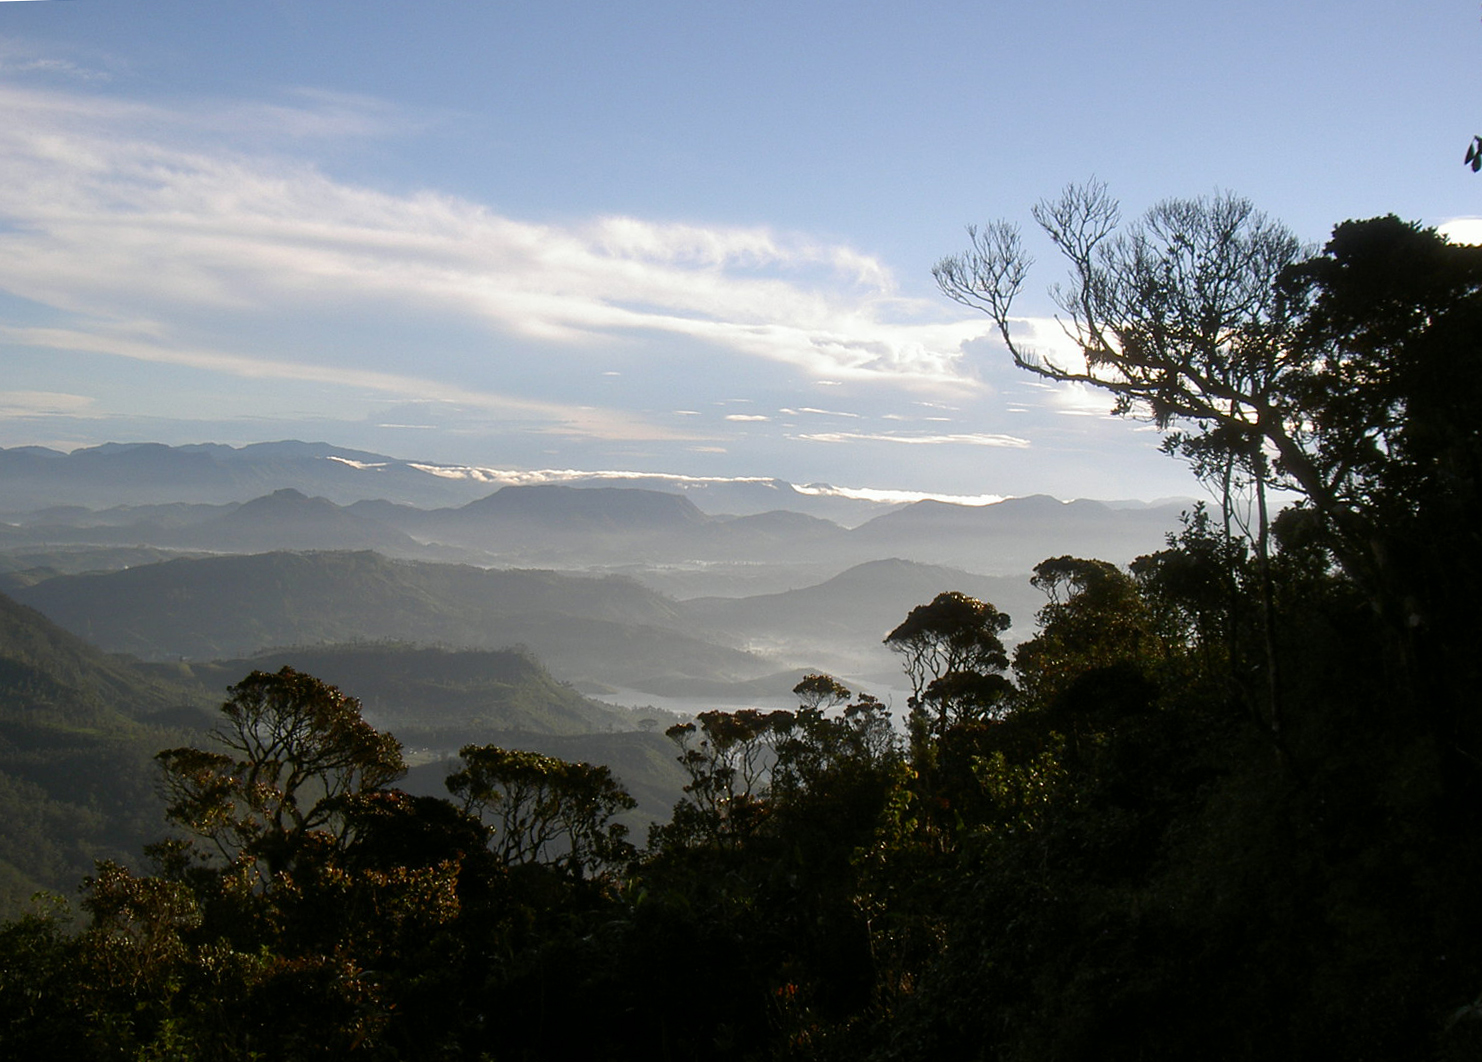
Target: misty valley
(558, 618)
(309, 753)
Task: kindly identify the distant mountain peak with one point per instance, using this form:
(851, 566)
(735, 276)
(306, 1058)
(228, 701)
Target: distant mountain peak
(282, 501)
(612, 507)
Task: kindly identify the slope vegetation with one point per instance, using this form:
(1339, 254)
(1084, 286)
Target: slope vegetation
(606, 629)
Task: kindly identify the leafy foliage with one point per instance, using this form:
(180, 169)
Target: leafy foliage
(544, 810)
(296, 754)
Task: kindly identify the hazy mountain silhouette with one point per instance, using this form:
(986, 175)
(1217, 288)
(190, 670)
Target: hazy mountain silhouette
(861, 604)
(605, 629)
(79, 729)
(136, 474)
(410, 689)
(561, 526)
(839, 624)
(288, 519)
(48, 672)
(293, 495)
(33, 477)
(1016, 534)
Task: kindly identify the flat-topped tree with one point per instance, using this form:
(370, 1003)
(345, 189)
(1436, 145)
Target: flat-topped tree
(294, 756)
(543, 810)
(954, 657)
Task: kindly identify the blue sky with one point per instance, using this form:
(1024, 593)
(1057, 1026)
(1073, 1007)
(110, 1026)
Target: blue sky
(691, 238)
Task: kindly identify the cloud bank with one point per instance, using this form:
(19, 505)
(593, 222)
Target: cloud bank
(138, 217)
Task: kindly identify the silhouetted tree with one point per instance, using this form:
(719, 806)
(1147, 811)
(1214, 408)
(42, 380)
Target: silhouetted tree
(953, 656)
(295, 753)
(544, 810)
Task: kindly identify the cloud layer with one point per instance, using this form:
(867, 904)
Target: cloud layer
(200, 269)
(142, 220)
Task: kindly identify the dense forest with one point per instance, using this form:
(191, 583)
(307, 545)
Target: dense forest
(1223, 804)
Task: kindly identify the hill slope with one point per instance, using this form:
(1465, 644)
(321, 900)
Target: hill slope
(604, 629)
(413, 690)
(78, 730)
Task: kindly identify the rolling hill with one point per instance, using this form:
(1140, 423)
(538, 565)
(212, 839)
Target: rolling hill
(605, 629)
(411, 690)
(78, 732)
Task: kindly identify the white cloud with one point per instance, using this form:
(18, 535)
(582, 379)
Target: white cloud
(1462, 230)
(828, 412)
(503, 476)
(898, 497)
(1079, 400)
(43, 404)
(585, 420)
(961, 439)
(527, 477)
(746, 416)
(19, 57)
(126, 211)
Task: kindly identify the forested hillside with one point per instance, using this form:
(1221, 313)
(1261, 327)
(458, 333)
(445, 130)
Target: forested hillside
(78, 730)
(597, 628)
(1220, 805)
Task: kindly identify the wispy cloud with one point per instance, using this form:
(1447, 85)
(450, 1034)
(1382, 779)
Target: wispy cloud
(898, 497)
(18, 57)
(819, 412)
(606, 424)
(504, 476)
(122, 210)
(43, 404)
(959, 439)
(1079, 400)
(527, 477)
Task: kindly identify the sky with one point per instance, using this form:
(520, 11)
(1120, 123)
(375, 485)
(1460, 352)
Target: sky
(691, 238)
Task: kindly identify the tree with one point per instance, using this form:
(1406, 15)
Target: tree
(821, 692)
(819, 757)
(296, 754)
(543, 809)
(1205, 316)
(953, 655)
(1389, 326)
(1095, 618)
(728, 768)
(1391, 315)
(1178, 317)
(1279, 367)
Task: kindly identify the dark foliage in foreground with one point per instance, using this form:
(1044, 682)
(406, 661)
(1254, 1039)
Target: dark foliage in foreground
(1221, 806)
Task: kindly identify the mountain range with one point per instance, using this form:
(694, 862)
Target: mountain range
(459, 607)
(605, 628)
(581, 527)
(136, 474)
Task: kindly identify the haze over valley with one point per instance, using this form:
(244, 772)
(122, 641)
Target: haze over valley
(633, 586)
(557, 616)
